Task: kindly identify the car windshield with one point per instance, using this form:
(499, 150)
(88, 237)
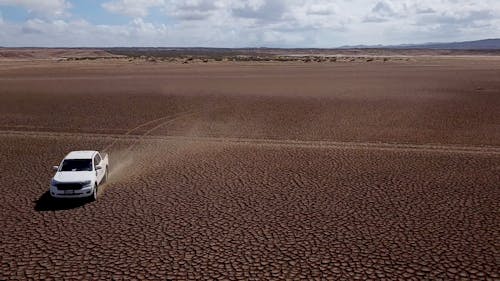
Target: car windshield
(76, 165)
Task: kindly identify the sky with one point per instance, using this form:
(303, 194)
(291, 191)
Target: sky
(246, 23)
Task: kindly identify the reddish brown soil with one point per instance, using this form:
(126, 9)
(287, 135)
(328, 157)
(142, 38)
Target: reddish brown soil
(255, 171)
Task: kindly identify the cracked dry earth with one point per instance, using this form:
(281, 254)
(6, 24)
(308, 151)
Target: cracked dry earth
(182, 204)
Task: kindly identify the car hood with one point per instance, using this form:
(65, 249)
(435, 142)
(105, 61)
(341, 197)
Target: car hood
(74, 176)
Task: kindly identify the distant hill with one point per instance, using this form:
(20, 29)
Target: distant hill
(486, 44)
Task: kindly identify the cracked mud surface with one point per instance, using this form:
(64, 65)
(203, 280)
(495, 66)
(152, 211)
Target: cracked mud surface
(195, 194)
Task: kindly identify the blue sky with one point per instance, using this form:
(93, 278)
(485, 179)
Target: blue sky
(92, 11)
(250, 23)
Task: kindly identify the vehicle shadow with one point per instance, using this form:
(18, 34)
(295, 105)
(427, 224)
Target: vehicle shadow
(47, 203)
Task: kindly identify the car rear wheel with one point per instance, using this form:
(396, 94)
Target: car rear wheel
(106, 175)
(95, 193)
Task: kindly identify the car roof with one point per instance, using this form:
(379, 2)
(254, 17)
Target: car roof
(82, 154)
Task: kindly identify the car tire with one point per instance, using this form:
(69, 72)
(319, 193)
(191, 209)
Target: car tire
(94, 195)
(106, 175)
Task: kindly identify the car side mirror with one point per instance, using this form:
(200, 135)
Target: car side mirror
(98, 167)
(55, 168)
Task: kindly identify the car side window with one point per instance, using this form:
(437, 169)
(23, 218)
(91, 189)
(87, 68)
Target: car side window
(97, 160)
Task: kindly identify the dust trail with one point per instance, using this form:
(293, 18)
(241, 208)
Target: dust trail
(121, 162)
(168, 117)
(123, 159)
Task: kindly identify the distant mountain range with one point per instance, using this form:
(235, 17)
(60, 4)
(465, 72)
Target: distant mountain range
(486, 44)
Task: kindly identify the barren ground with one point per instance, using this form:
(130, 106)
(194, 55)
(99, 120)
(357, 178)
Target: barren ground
(255, 170)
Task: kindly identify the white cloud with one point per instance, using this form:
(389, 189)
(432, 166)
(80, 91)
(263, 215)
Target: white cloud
(430, 20)
(41, 7)
(80, 33)
(192, 9)
(266, 10)
(320, 9)
(284, 23)
(133, 8)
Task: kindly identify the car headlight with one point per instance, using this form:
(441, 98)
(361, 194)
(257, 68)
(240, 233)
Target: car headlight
(85, 183)
(53, 182)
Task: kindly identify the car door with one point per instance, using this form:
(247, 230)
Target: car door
(99, 173)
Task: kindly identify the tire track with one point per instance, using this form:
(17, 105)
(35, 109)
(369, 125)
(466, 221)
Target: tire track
(168, 119)
(127, 157)
(145, 134)
(488, 150)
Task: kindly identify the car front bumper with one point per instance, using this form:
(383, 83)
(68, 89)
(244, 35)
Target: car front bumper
(79, 193)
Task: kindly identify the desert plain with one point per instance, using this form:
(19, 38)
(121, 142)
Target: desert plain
(344, 170)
